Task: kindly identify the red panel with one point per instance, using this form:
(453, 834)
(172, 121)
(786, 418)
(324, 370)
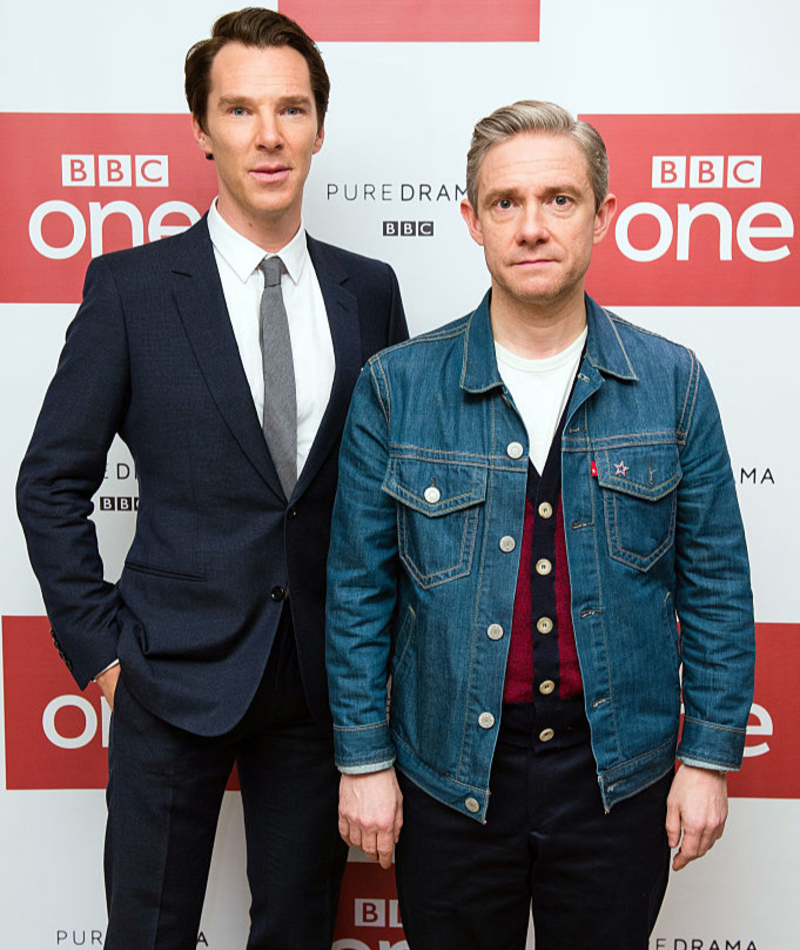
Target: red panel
(694, 190)
(36, 683)
(417, 21)
(142, 161)
(771, 767)
(369, 918)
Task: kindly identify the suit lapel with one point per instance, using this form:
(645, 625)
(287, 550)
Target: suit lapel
(198, 295)
(342, 310)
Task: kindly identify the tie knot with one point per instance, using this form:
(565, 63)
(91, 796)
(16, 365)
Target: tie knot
(272, 268)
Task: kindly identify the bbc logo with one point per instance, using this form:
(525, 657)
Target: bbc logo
(118, 503)
(706, 171)
(115, 171)
(408, 228)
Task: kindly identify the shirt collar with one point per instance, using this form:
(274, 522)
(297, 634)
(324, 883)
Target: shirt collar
(244, 256)
(604, 348)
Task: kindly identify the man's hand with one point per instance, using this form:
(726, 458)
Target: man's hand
(371, 813)
(107, 681)
(697, 803)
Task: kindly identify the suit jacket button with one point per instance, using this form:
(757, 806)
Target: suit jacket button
(292, 512)
(277, 594)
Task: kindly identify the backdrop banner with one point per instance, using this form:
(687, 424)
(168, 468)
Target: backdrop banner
(699, 105)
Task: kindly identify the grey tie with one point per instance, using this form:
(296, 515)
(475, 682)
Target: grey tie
(280, 395)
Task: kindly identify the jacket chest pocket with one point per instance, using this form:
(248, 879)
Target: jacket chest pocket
(438, 508)
(639, 487)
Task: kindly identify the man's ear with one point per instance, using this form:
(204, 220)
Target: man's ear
(604, 217)
(469, 214)
(201, 138)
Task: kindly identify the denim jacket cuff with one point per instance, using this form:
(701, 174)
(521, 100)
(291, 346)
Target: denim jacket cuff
(366, 748)
(711, 746)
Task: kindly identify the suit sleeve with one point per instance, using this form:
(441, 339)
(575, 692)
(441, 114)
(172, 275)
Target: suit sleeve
(65, 465)
(398, 330)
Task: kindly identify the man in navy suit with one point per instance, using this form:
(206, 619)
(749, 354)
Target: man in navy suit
(210, 646)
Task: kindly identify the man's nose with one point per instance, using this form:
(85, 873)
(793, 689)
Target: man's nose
(268, 133)
(532, 224)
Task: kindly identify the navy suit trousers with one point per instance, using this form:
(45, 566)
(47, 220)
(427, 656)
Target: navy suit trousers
(164, 795)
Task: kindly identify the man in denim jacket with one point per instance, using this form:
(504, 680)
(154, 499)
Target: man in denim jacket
(529, 498)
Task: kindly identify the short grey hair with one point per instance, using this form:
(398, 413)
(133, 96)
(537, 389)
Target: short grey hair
(530, 115)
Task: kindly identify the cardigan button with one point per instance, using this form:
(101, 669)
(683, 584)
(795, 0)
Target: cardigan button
(546, 510)
(546, 735)
(544, 625)
(546, 687)
(543, 566)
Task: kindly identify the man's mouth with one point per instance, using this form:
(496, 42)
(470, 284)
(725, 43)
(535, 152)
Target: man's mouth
(270, 172)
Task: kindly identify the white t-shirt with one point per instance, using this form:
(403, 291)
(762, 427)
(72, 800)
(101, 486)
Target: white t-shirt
(540, 389)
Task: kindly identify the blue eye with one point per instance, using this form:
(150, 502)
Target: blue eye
(562, 201)
(504, 203)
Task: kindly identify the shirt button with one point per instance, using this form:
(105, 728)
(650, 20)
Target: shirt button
(473, 805)
(507, 544)
(546, 735)
(486, 720)
(544, 625)
(514, 450)
(494, 631)
(432, 494)
(546, 687)
(546, 509)
(543, 566)
(277, 594)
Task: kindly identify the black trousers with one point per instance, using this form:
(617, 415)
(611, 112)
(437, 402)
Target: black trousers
(164, 795)
(594, 881)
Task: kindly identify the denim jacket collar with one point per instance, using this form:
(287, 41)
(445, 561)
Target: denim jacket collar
(604, 348)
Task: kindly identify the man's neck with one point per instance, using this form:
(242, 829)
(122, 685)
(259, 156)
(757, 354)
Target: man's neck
(270, 234)
(537, 331)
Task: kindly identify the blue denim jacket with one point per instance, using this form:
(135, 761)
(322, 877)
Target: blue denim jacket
(423, 564)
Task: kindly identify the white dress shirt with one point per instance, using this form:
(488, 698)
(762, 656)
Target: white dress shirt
(312, 347)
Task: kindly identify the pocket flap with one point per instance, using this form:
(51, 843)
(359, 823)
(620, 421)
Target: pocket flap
(648, 472)
(435, 487)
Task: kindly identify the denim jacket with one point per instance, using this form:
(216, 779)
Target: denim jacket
(423, 564)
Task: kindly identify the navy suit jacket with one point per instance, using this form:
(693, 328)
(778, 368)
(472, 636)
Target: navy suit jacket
(151, 355)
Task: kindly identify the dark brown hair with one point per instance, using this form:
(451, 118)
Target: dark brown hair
(253, 26)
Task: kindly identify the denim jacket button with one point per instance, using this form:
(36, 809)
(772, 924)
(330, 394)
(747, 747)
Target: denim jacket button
(546, 687)
(473, 805)
(546, 735)
(543, 566)
(486, 720)
(546, 510)
(494, 631)
(432, 494)
(544, 625)
(514, 450)
(507, 544)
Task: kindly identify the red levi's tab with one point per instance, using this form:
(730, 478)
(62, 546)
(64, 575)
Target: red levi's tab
(706, 214)
(417, 21)
(593, 469)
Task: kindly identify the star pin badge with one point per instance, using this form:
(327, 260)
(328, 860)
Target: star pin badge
(621, 469)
